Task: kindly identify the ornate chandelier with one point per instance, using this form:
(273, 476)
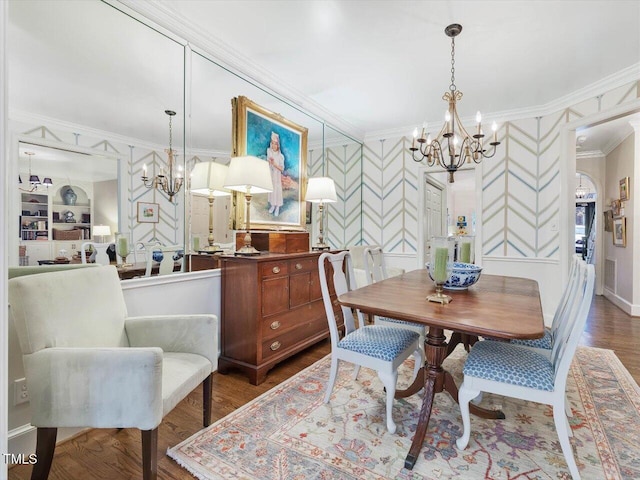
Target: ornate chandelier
(453, 146)
(171, 180)
(581, 192)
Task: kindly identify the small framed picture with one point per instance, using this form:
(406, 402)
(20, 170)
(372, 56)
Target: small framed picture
(608, 221)
(615, 208)
(148, 212)
(620, 232)
(624, 189)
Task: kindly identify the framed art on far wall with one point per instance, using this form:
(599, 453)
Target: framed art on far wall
(608, 221)
(148, 212)
(620, 232)
(624, 189)
(283, 144)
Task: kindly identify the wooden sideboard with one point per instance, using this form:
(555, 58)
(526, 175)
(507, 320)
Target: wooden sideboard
(271, 308)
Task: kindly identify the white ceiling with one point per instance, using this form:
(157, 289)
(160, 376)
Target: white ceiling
(373, 65)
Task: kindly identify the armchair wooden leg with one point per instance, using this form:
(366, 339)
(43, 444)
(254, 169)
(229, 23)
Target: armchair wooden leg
(206, 400)
(45, 447)
(150, 454)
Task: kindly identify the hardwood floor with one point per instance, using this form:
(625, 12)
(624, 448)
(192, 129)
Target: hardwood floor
(116, 454)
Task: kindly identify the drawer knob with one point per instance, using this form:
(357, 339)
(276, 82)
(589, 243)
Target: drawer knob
(275, 325)
(298, 266)
(275, 269)
(275, 345)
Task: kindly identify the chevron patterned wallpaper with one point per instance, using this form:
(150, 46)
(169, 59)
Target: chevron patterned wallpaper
(378, 197)
(514, 225)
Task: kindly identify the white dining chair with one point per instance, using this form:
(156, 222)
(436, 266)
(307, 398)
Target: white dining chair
(379, 347)
(165, 256)
(375, 271)
(100, 253)
(543, 345)
(510, 370)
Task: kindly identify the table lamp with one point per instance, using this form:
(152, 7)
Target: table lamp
(321, 190)
(207, 178)
(248, 175)
(101, 231)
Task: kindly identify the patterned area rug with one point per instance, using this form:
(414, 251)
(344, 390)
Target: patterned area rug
(289, 433)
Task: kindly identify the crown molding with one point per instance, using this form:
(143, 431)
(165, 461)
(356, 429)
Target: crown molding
(590, 154)
(237, 62)
(616, 140)
(618, 79)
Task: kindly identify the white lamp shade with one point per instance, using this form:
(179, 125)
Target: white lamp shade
(208, 178)
(101, 230)
(321, 190)
(249, 173)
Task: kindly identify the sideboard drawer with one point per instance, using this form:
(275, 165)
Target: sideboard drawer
(269, 269)
(303, 265)
(289, 339)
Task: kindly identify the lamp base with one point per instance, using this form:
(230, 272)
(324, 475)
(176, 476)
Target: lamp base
(247, 250)
(321, 246)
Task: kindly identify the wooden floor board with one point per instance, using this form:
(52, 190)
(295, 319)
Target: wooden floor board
(113, 454)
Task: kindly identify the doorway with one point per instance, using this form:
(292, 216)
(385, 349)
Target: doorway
(586, 218)
(444, 208)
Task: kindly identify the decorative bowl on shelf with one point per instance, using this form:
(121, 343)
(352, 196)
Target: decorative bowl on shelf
(462, 277)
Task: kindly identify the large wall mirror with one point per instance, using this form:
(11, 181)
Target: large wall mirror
(86, 77)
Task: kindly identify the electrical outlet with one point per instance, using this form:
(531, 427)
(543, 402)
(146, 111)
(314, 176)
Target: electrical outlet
(73, 246)
(20, 392)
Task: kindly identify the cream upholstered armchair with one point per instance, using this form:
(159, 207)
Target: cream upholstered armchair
(88, 365)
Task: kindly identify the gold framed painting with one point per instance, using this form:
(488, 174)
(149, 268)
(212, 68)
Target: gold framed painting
(283, 144)
(615, 208)
(624, 189)
(620, 232)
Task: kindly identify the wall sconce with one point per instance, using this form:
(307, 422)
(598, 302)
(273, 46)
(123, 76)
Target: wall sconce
(321, 190)
(207, 178)
(248, 175)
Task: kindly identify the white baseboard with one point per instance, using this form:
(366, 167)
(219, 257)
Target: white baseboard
(622, 304)
(23, 439)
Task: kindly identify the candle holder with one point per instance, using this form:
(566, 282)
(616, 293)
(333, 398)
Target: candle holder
(122, 248)
(466, 249)
(441, 266)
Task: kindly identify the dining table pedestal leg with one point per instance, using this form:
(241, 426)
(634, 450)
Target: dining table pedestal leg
(435, 379)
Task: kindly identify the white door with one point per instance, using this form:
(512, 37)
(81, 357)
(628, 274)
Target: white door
(433, 217)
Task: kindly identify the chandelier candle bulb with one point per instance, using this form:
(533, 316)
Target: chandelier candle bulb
(494, 127)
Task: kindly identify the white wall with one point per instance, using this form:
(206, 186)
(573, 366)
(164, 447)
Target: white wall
(620, 164)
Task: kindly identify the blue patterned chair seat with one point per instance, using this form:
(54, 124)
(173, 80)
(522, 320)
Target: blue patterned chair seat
(506, 363)
(379, 341)
(399, 322)
(544, 342)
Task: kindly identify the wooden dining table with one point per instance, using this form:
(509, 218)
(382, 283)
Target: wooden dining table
(497, 306)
